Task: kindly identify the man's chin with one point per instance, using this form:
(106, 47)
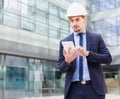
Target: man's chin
(77, 31)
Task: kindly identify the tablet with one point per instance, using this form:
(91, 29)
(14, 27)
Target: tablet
(67, 45)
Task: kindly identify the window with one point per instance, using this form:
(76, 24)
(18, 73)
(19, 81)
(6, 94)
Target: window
(28, 2)
(27, 11)
(53, 9)
(42, 5)
(64, 25)
(12, 6)
(41, 16)
(54, 21)
(63, 14)
(0, 18)
(27, 24)
(11, 20)
(53, 31)
(99, 5)
(42, 28)
(63, 33)
(109, 28)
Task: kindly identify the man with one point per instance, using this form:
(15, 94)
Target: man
(84, 75)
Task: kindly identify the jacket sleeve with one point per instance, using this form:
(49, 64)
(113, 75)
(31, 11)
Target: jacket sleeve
(102, 54)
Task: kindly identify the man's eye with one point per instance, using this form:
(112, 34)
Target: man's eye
(77, 19)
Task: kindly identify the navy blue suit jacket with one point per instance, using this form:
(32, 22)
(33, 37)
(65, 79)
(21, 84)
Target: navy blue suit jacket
(99, 54)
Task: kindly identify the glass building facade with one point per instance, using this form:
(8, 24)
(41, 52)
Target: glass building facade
(110, 27)
(27, 77)
(37, 16)
(29, 34)
(105, 20)
(30, 31)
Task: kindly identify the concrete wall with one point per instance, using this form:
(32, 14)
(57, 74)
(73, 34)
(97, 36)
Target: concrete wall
(24, 43)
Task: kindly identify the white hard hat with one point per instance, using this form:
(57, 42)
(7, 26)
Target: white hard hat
(76, 9)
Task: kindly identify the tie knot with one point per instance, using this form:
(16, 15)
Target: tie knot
(80, 34)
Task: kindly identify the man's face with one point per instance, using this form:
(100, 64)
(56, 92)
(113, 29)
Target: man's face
(77, 23)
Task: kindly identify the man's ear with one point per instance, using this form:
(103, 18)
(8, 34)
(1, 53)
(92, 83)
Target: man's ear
(85, 19)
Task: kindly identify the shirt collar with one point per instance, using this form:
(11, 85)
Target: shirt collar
(76, 33)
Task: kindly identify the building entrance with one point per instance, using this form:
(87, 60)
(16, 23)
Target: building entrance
(15, 82)
(1, 75)
(23, 77)
(15, 77)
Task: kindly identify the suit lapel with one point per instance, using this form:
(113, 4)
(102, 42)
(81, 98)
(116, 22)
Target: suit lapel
(71, 38)
(88, 40)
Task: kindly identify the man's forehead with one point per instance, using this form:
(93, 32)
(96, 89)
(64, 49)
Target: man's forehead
(74, 17)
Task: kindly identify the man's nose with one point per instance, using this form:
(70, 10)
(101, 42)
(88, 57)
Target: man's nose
(74, 23)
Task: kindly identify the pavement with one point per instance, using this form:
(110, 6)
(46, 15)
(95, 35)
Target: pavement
(108, 96)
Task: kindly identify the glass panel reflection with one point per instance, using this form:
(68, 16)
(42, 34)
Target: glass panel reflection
(15, 82)
(15, 78)
(12, 6)
(99, 5)
(11, 20)
(48, 75)
(30, 87)
(37, 80)
(1, 76)
(35, 16)
(42, 4)
(29, 77)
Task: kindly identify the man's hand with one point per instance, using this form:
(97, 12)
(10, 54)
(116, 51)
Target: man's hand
(82, 51)
(70, 55)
